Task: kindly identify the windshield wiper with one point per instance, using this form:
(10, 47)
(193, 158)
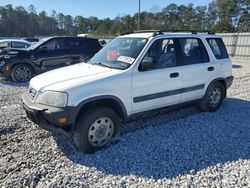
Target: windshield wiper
(104, 65)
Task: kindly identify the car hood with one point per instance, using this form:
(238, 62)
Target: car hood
(69, 77)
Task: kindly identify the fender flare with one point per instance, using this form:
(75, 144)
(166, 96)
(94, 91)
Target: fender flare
(99, 98)
(220, 79)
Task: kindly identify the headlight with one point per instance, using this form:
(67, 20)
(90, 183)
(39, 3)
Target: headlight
(52, 98)
(2, 63)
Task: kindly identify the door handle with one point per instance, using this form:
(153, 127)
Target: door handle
(210, 68)
(174, 75)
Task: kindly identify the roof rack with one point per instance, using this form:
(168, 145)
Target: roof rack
(155, 32)
(160, 32)
(191, 31)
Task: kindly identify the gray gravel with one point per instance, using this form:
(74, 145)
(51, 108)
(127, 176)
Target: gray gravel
(175, 149)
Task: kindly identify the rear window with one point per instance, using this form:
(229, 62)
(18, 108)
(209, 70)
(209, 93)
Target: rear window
(93, 43)
(75, 43)
(218, 47)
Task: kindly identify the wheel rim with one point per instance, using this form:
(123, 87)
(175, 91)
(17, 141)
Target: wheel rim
(100, 132)
(23, 74)
(215, 97)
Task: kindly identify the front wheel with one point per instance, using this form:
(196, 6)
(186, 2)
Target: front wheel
(96, 128)
(214, 98)
(22, 73)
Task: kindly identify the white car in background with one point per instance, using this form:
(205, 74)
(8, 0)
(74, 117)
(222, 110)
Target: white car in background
(14, 43)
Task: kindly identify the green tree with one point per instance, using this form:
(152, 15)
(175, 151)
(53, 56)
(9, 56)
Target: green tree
(228, 10)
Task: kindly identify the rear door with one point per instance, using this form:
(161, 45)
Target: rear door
(80, 48)
(221, 57)
(75, 49)
(197, 68)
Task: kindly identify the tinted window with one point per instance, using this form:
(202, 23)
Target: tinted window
(218, 48)
(54, 44)
(163, 53)
(93, 43)
(19, 45)
(74, 43)
(193, 51)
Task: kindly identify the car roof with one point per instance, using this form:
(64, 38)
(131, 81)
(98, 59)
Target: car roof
(15, 40)
(69, 37)
(149, 34)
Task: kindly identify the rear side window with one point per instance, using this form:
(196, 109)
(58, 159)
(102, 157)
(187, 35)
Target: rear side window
(93, 43)
(193, 51)
(218, 48)
(75, 43)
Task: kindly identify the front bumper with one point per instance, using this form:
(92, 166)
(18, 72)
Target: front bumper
(47, 117)
(229, 81)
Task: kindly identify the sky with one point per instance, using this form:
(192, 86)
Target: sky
(99, 8)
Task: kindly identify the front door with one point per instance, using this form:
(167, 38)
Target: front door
(52, 54)
(157, 82)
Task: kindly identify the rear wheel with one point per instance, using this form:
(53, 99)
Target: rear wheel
(96, 128)
(214, 98)
(22, 73)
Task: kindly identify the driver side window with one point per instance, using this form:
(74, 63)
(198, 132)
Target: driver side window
(54, 44)
(162, 54)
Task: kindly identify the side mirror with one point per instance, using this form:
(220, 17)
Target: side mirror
(43, 48)
(147, 63)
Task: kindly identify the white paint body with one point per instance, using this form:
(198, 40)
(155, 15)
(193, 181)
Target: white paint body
(84, 81)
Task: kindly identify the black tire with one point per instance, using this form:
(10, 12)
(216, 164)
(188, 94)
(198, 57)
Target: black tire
(88, 120)
(22, 73)
(215, 91)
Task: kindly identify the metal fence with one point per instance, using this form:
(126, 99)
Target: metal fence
(238, 44)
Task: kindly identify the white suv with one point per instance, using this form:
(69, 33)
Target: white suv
(134, 73)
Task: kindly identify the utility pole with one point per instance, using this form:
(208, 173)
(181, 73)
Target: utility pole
(139, 12)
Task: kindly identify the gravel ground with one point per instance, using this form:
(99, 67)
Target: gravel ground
(175, 149)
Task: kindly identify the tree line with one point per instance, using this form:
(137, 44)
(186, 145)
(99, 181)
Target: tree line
(219, 15)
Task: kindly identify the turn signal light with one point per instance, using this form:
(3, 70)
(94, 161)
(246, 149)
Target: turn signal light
(62, 120)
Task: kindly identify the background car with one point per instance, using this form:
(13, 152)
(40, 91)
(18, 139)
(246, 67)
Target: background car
(47, 54)
(14, 43)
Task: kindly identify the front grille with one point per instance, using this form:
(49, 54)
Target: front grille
(32, 93)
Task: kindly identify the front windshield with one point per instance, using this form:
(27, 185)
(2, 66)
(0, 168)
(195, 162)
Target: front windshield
(120, 53)
(41, 41)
